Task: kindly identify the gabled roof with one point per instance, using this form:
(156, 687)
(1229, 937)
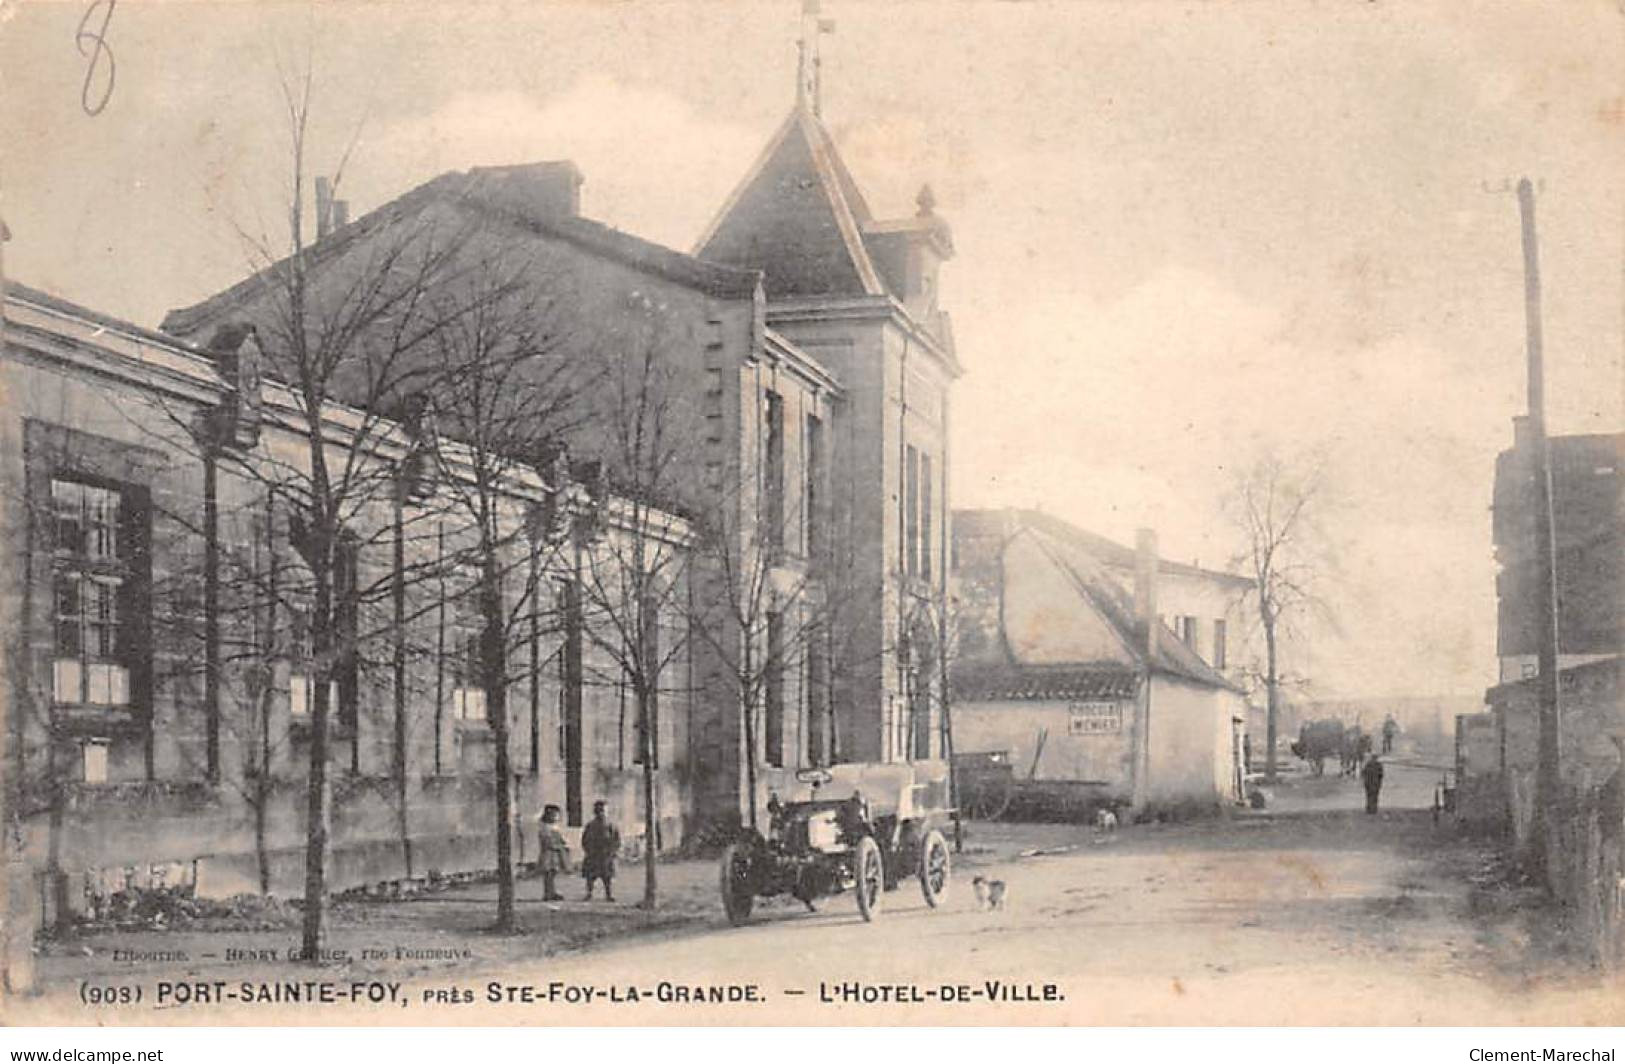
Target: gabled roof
(1103, 596)
(1109, 552)
(798, 216)
(510, 195)
(1112, 601)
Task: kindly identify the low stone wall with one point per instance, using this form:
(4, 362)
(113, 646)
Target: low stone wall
(106, 839)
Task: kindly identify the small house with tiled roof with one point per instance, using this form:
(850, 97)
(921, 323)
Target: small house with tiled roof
(1090, 697)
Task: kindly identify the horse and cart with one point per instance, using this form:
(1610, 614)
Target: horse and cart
(1321, 740)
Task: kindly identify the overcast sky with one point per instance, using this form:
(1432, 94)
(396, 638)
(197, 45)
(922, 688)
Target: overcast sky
(1184, 233)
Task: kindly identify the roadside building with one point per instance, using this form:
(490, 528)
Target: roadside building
(1585, 820)
(158, 672)
(1094, 700)
(1478, 795)
(160, 696)
(1589, 527)
(1592, 732)
(802, 337)
(1589, 530)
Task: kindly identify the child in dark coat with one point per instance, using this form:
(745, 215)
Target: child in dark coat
(600, 842)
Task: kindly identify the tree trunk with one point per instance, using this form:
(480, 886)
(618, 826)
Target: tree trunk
(262, 788)
(262, 856)
(948, 734)
(317, 791)
(1272, 694)
(403, 821)
(750, 747)
(495, 655)
(211, 617)
(651, 836)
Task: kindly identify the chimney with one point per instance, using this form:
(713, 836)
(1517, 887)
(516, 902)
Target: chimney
(341, 213)
(1145, 590)
(324, 207)
(558, 188)
(1520, 432)
(535, 190)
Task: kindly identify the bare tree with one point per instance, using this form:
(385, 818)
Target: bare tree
(1275, 506)
(216, 616)
(760, 620)
(942, 612)
(635, 567)
(508, 389)
(344, 349)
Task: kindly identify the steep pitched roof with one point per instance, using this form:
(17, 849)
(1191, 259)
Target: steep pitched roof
(1084, 573)
(511, 195)
(1109, 552)
(1112, 601)
(1118, 556)
(799, 217)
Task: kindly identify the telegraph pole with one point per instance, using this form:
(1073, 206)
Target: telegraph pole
(1547, 766)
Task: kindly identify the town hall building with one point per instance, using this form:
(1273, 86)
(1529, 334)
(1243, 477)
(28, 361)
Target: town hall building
(802, 369)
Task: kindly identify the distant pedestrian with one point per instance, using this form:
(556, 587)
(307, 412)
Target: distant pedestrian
(1390, 728)
(555, 854)
(600, 843)
(1371, 776)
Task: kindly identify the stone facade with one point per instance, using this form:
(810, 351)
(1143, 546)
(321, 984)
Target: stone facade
(1059, 667)
(810, 368)
(135, 753)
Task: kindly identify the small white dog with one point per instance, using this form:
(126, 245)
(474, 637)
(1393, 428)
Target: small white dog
(989, 893)
(1105, 821)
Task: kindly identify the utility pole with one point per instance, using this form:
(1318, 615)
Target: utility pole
(1547, 766)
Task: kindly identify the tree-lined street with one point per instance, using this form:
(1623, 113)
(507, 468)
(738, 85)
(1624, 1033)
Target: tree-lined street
(1310, 912)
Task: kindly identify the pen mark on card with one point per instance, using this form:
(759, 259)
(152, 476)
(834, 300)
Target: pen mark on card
(101, 71)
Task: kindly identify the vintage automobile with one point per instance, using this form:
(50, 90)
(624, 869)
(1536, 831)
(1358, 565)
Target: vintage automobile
(859, 827)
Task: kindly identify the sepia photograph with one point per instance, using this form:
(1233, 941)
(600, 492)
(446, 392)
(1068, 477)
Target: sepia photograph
(817, 513)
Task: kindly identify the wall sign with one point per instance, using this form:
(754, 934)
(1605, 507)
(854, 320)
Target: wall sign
(1094, 718)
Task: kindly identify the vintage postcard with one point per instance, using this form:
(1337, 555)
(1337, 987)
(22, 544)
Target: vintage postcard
(812, 512)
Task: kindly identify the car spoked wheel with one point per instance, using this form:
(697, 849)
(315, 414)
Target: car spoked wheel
(934, 868)
(871, 877)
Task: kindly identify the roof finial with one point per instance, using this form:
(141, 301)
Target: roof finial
(808, 63)
(926, 201)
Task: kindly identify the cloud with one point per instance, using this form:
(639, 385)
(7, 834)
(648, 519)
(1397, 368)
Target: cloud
(635, 146)
(1136, 410)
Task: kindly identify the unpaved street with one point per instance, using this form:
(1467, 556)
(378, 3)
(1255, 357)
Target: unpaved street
(1314, 913)
(1308, 913)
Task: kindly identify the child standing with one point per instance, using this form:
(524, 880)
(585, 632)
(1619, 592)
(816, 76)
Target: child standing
(555, 853)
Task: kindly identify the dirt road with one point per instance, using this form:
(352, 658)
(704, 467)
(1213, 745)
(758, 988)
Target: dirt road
(1312, 914)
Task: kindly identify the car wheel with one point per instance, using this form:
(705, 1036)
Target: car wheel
(870, 872)
(934, 868)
